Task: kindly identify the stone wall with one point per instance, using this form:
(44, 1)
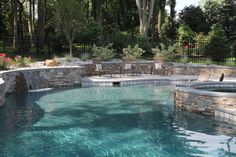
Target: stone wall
(19, 80)
(2, 92)
(215, 71)
(202, 101)
(144, 67)
(24, 79)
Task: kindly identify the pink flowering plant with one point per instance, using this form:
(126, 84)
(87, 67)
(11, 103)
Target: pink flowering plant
(5, 62)
(22, 61)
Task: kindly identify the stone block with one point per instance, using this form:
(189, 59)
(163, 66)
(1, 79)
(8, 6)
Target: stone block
(53, 62)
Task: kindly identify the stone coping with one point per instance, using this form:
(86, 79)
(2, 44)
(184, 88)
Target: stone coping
(128, 80)
(41, 68)
(201, 66)
(198, 88)
(119, 78)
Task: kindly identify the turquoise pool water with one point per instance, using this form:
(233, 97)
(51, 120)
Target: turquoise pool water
(135, 121)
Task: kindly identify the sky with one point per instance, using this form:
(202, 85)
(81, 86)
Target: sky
(180, 4)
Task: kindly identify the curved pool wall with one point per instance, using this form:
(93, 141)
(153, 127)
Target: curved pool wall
(52, 77)
(197, 98)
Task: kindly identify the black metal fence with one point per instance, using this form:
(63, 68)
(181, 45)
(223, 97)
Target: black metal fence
(205, 52)
(198, 52)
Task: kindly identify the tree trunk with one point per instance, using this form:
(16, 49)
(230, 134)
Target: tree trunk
(172, 19)
(162, 4)
(71, 48)
(159, 25)
(94, 8)
(33, 12)
(30, 22)
(145, 10)
(41, 24)
(20, 23)
(97, 11)
(15, 27)
(154, 19)
(122, 15)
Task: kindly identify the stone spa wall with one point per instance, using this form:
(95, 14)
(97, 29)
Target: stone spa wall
(197, 99)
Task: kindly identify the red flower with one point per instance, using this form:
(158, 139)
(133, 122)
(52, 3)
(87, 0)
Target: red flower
(8, 59)
(2, 54)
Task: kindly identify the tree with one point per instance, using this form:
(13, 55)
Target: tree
(154, 19)
(4, 4)
(194, 18)
(31, 20)
(211, 11)
(217, 48)
(97, 10)
(162, 4)
(41, 24)
(172, 32)
(20, 14)
(185, 35)
(15, 21)
(169, 27)
(145, 10)
(70, 17)
(228, 18)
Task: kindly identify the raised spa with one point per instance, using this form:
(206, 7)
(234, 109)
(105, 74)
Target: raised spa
(211, 98)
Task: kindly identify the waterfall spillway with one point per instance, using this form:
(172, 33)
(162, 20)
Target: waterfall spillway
(36, 79)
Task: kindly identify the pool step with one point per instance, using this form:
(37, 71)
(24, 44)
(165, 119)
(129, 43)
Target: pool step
(227, 115)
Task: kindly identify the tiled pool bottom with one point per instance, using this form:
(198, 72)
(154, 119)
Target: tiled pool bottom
(135, 121)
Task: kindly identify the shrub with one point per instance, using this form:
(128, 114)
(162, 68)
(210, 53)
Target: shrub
(230, 63)
(5, 62)
(105, 53)
(208, 61)
(217, 46)
(162, 52)
(85, 56)
(22, 61)
(57, 59)
(68, 57)
(133, 52)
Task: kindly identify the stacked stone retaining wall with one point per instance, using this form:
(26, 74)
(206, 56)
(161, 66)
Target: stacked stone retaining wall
(71, 76)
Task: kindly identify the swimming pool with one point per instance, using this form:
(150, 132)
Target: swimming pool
(108, 121)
